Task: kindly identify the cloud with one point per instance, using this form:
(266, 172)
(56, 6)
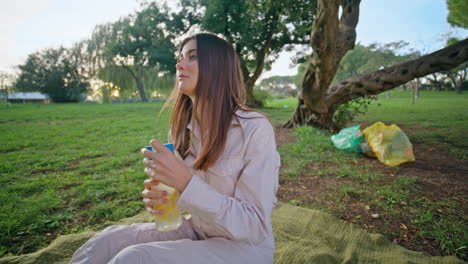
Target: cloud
(12, 14)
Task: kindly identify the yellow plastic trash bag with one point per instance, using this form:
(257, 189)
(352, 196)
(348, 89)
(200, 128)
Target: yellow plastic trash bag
(389, 143)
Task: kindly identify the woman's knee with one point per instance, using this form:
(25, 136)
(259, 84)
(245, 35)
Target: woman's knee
(111, 237)
(112, 228)
(111, 232)
(132, 254)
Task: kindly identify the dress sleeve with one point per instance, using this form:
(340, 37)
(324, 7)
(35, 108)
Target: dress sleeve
(246, 216)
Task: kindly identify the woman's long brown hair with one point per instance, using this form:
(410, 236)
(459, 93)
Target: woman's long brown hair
(219, 93)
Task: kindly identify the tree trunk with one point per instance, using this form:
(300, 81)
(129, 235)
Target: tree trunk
(249, 83)
(249, 80)
(446, 87)
(5, 91)
(305, 117)
(417, 88)
(141, 90)
(462, 79)
(138, 79)
(436, 83)
(457, 79)
(140, 85)
(330, 40)
(249, 86)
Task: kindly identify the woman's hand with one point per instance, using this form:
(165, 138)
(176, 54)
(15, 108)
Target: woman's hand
(164, 167)
(151, 198)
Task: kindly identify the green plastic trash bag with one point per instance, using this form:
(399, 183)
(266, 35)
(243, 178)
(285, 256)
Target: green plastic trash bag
(348, 139)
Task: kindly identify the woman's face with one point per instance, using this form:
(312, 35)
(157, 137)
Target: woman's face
(187, 68)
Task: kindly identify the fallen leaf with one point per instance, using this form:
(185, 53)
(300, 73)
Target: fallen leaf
(403, 226)
(375, 216)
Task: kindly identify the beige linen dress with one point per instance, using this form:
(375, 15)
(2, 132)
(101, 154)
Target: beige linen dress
(230, 206)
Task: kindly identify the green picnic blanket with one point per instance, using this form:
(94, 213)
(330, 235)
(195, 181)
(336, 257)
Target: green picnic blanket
(302, 236)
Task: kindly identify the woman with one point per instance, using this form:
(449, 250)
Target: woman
(225, 168)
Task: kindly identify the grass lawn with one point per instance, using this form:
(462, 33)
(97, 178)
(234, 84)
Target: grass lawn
(68, 167)
(420, 205)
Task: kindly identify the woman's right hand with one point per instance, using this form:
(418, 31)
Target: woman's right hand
(151, 197)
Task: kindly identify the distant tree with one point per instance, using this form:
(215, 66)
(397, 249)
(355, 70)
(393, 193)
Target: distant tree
(276, 80)
(353, 63)
(78, 58)
(464, 85)
(101, 65)
(101, 39)
(279, 85)
(52, 71)
(142, 43)
(437, 80)
(458, 74)
(458, 13)
(137, 53)
(6, 84)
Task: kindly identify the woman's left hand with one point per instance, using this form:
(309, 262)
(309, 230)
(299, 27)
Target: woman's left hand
(163, 166)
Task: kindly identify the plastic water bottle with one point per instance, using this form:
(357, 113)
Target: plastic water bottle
(171, 218)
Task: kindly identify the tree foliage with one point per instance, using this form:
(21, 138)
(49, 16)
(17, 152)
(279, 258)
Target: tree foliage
(139, 47)
(54, 72)
(143, 40)
(458, 13)
(458, 74)
(259, 30)
(142, 43)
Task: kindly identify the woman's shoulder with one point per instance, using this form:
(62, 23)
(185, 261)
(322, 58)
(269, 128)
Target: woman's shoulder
(249, 113)
(252, 120)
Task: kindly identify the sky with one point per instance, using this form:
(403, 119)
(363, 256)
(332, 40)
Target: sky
(30, 25)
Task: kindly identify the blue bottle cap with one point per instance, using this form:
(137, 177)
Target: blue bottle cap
(169, 146)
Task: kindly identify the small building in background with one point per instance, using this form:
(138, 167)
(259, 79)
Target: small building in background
(26, 97)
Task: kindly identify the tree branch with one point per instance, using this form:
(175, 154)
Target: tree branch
(388, 78)
(321, 67)
(272, 13)
(129, 70)
(347, 28)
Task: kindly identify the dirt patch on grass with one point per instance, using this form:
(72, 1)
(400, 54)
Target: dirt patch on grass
(440, 177)
(284, 135)
(76, 163)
